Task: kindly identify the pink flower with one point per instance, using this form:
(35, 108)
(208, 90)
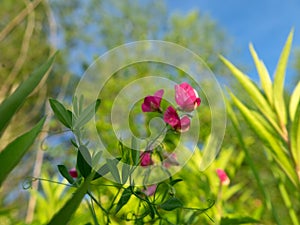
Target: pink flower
(224, 179)
(171, 117)
(73, 173)
(186, 97)
(150, 190)
(152, 103)
(146, 159)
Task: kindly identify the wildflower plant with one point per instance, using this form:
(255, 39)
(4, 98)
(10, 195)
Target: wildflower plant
(153, 200)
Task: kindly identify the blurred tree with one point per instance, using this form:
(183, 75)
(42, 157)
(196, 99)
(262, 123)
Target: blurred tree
(83, 30)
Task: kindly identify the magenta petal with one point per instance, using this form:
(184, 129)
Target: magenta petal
(171, 117)
(146, 159)
(185, 124)
(186, 97)
(73, 173)
(146, 107)
(223, 177)
(159, 93)
(152, 103)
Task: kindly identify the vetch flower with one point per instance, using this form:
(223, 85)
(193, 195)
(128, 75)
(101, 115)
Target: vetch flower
(73, 173)
(186, 97)
(150, 190)
(152, 103)
(171, 117)
(224, 179)
(145, 158)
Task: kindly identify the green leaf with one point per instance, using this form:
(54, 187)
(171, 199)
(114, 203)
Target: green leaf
(171, 203)
(279, 76)
(241, 220)
(295, 137)
(65, 173)
(112, 165)
(271, 141)
(124, 198)
(173, 182)
(151, 210)
(87, 114)
(84, 161)
(11, 155)
(125, 172)
(135, 153)
(12, 103)
(65, 213)
(255, 94)
(295, 99)
(101, 172)
(265, 79)
(62, 114)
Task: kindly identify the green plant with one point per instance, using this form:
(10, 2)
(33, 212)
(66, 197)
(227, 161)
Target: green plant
(276, 125)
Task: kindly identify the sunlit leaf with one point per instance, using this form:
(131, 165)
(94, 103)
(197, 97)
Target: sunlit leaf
(295, 99)
(279, 77)
(264, 76)
(12, 103)
(295, 136)
(255, 94)
(11, 155)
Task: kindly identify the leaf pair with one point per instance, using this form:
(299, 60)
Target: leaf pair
(70, 120)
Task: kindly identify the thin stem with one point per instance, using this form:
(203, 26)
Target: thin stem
(97, 203)
(92, 210)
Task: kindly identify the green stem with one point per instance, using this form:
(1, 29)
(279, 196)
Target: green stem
(92, 210)
(285, 196)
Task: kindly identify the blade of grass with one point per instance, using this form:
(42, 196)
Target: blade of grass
(279, 76)
(295, 99)
(265, 79)
(295, 139)
(254, 94)
(12, 103)
(65, 213)
(13, 153)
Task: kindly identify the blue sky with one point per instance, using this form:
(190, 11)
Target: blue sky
(265, 23)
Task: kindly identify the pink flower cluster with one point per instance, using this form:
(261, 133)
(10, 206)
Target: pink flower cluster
(187, 100)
